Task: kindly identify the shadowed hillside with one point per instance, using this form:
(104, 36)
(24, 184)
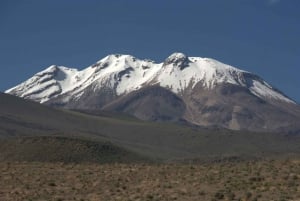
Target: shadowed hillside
(162, 141)
(63, 149)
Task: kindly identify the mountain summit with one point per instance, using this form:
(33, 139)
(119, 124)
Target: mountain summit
(202, 91)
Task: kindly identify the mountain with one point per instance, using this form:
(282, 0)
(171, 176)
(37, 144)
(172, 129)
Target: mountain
(196, 90)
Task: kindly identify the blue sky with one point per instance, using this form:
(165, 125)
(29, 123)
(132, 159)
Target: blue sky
(261, 36)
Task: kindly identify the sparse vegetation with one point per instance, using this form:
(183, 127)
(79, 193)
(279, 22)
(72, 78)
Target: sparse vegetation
(211, 181)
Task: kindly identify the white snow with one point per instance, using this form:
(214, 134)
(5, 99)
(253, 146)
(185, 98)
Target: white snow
(125, 73)
(265, 91)
(208, 71)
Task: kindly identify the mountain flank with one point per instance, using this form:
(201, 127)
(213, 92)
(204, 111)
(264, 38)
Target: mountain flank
(31, 131)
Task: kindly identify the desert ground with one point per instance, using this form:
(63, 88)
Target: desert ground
(252, 180)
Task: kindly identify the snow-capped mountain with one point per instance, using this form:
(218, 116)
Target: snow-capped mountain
(125, 73)
(205, 87)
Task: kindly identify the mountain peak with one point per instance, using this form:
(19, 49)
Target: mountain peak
(178, 59)
(119, 56)
(51, 68)
(175, 57)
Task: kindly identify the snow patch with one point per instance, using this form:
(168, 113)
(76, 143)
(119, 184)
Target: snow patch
(264, 90)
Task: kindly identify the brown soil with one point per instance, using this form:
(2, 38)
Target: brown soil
(263, 180)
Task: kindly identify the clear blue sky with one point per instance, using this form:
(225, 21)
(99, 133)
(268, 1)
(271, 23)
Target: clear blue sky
(261, 36)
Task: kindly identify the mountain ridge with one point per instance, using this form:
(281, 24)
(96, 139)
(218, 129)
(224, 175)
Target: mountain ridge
(208, 71)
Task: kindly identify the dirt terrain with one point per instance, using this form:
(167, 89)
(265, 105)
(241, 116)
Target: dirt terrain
(257, 180)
